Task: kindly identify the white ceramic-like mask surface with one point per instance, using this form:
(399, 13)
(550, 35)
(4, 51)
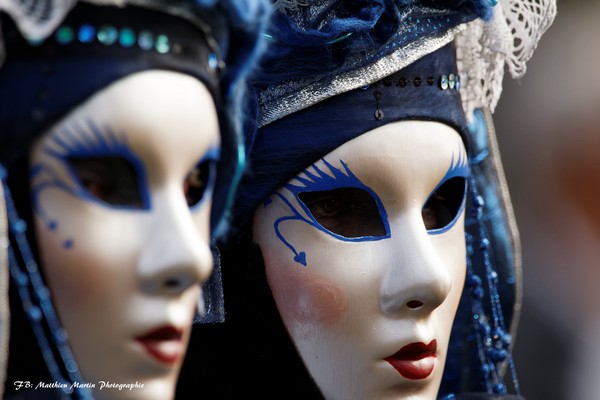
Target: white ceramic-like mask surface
(121, 192)
(365, 255)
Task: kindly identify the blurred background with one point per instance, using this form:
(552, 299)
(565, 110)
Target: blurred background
(548, 127)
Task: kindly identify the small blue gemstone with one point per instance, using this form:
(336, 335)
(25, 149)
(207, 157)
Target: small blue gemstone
(52, 225)
(64, 35)
(22, 279)
(43, 293)
(163, 44)
(108, 35)
(479, 202)
(34, 313)
(474, 281)
(61, 335)
(126, 37)
(444, 82)
(68, 244)
(213, 62)
(485, 369)
(478, 293)
(486, 331)
(499, 388)
(146, 40)
(484, 244)
(31, 266)
(71, 365)
(87, 33)
(19, 226)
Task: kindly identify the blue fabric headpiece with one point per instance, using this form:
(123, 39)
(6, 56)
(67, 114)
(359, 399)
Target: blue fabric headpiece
(320, 49)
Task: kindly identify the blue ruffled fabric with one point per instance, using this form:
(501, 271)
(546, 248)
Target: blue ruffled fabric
(319, 37)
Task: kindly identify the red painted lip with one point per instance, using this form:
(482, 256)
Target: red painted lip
(415, 360)
(164, 344)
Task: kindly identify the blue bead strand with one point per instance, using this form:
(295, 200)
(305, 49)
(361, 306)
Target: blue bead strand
(31, 280)
(495, 348)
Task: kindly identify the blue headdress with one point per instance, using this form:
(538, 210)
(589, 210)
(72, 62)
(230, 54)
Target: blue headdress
(336, 69)
(55, 55)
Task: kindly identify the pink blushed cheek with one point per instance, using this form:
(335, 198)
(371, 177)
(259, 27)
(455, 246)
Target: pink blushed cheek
(303, 297)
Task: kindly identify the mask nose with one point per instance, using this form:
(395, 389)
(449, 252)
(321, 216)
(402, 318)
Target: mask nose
(176, 256)
(416, 280)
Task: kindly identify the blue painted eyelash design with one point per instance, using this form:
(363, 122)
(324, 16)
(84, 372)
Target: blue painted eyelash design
(460, 169)
(82, 141)
(321, 181)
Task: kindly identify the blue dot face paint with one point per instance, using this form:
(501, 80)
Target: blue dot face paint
(121, 195)
(365, 255)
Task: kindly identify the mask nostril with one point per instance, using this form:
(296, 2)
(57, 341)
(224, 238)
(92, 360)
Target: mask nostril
(414, 304)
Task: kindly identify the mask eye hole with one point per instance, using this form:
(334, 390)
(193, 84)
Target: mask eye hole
(443, 205)
(199, 182)
(347, 212)
(112, 180)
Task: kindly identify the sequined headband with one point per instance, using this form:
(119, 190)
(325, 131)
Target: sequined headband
(114, 32)
(94, 46)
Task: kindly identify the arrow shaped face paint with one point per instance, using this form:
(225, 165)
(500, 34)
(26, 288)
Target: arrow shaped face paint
(335, 202)
(378, 225)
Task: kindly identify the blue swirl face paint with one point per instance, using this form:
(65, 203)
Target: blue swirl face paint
(320, 180)
(458, 169)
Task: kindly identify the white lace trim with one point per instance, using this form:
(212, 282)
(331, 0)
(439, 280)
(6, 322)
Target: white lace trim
(37, 18)
(509, 38)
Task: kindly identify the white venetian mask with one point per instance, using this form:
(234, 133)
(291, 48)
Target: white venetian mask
(365, 255)
(121, 194)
